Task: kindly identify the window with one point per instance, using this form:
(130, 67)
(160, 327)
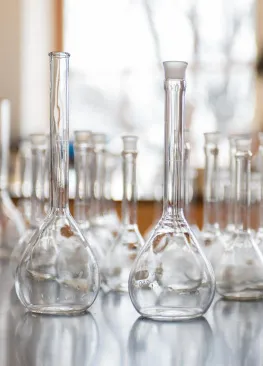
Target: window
(116, 70)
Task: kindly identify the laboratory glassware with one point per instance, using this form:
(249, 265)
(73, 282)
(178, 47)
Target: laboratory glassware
(212, 238)
(259, 235)
(83, 162)
(122, 253)
(110, 214)
(229, 193)
(38, 153)
(239, 271)
(58, 273)
(25, 174)
(12, 225)
(98, 226)
(187, 182)
(171, 278)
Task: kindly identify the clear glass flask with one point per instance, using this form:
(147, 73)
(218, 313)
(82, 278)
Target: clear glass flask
(58, 273)
(212, 237)
(99, 229)
(38, 158)
(12, 225)
(171, 278)
(83, 162)
(239, 271)
(124, 250)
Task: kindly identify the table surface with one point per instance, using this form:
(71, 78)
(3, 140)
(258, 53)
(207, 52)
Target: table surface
(113, 334)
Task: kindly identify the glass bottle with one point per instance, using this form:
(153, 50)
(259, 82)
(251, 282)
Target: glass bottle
(12, 225)
(239, 271)
(58, 273)
(38, 158)
(171, 278)
(98, 226)
(83, 161)
(124, 250)
(212, 238)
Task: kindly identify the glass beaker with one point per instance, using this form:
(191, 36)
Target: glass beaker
(38, 158)
(121, 255)
(239, 271)
(12, 225)
(212, 237)
(58, 273)
(171, 278)
(83, 162)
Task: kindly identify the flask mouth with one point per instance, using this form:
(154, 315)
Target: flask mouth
(175, 69)
(59, 54)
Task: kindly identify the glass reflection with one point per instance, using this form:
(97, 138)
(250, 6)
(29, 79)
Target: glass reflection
(57, 341)
(119, 315)
(171, 344)
(238, 327)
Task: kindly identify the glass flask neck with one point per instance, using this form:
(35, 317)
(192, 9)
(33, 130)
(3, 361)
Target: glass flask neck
(38, 188)
(129, 200)
(174, 147)
(59, 130)
(83, 163)
(99, 171)
(5, 140)
(186, 175)
(243, 193)
(211, 198)
(260, 162)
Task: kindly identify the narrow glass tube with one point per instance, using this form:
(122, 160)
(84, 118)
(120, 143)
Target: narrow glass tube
(12, 225)
(25, 165)
(230, 227)
(260, 163)
(123, 252)
(171, 278)
(212, 238)
(239, 271)
(99, 172)
(38, 154)
(83, 161)
(99, 231)
(58, 272)
(83, 148)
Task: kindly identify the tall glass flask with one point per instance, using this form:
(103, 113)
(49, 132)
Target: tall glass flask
(58, 273)
(171, 278)
(38, 152)
(123, 252)
(212, 238)
(239, 271)
(11, 222)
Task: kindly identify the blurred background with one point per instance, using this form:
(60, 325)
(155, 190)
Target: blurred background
(116, 75)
